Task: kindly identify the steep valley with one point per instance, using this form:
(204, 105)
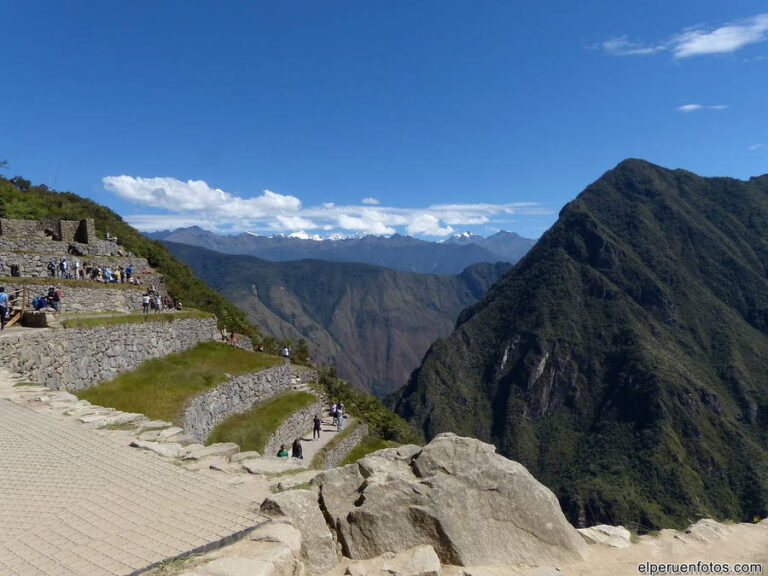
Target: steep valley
(374, 324)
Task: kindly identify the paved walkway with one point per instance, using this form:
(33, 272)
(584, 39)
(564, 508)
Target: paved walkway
(75, 502)
(328, 432)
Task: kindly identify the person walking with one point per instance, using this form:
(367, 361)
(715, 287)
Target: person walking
(145, 303)
(340, 417)
(316, 427)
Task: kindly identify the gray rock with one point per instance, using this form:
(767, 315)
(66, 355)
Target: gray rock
(318, 549)
(273, 465)
(237, 566)
(240, 456)
(167, 449)
(457, 495)
(279, 533)
(223, 449)
(614, 536)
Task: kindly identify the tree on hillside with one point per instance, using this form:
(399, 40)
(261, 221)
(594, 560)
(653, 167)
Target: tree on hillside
(3, 164)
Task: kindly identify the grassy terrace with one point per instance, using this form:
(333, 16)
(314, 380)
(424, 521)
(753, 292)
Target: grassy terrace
(130, 318)
(252, 429)
(160, 388)
(47, 281)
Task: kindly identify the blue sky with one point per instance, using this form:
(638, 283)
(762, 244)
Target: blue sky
(357, 116)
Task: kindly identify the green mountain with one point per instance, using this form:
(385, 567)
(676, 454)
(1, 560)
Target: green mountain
(20, 200)
(624, 360)
(373, 323)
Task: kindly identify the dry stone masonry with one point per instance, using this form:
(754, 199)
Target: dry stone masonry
(76, 358)
(341, 450)
(237, 395)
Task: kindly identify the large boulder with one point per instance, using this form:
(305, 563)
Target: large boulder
(456, 494)
(318, 548)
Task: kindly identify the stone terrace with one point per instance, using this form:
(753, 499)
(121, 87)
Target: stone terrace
(77, 502)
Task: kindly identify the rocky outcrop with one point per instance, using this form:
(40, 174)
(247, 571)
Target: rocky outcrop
(318, 549)
(614, 536)
(456, 494)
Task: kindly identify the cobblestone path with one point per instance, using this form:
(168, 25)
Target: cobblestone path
(74, 502)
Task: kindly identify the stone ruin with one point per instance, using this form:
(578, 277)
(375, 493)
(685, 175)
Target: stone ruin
(80, 231)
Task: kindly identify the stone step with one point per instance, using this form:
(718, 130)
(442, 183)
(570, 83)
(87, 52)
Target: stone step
(166, 449)
(121, 418)
(223, 449)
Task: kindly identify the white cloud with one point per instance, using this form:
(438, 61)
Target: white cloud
(371, 201)
(758, 147)
(366, 225)
(428, 225)
(178, 196)
(723, 40)
(693, 107)
(293, 223)
(620, 46)
(195, 203)
(697, 41)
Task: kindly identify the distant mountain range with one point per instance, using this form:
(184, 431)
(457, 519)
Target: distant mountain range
(397, 252)
(373, 323)
(624, 360)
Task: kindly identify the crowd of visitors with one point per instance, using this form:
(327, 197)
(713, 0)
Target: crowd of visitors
(153, 301)
(74, 269)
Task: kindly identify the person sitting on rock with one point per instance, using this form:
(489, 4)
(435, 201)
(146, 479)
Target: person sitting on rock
(296, 450)
(282, 453)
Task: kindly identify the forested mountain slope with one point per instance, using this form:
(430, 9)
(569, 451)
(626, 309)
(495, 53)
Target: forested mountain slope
(624, 360)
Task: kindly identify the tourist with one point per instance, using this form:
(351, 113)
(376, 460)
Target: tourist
(340, 417)
(54, 297)
(128, 272)
(316, 427)
(282, 453)
(158, 304)
(233, 339)
(286, 353)
(64, 267)
(334, 406)
(52, 268)
(145, 303)
(296, 450)
(3, 307)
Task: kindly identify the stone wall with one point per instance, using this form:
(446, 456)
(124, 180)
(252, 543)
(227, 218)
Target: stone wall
(341, 450)
(236, 395)
(295, 426)
(34, 264)
(82, 300)
(74, 359)
(82, 231)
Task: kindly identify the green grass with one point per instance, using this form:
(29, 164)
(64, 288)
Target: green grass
(132, 318)
(251, 429)
(160, 388)
(367, 445)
